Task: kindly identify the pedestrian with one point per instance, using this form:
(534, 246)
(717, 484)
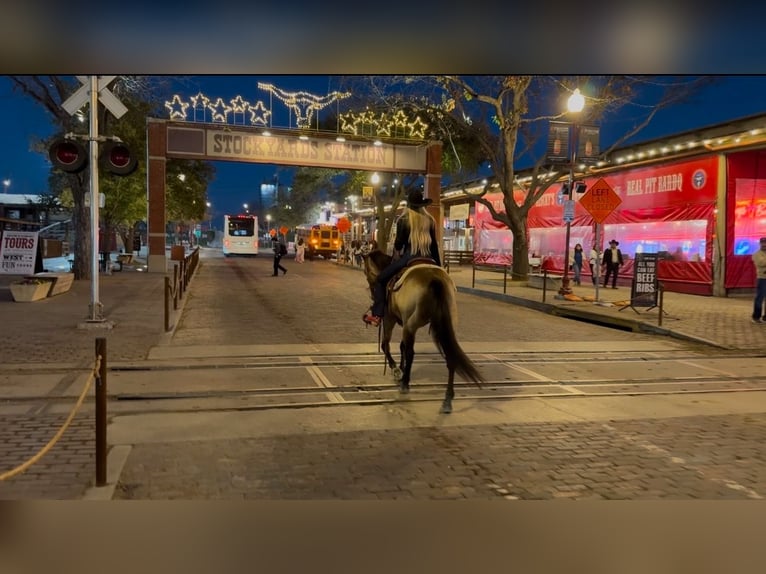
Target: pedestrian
(612, 262)
(577, 263)
(279, 251)
(358, 253)
(415, 237)
(593, 262)
(300, 251)
(759, 260)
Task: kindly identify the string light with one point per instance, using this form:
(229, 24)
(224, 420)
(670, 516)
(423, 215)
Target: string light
(259, 115)
(199, 102)
(177, 108)
(303, 104)
(366, 123)
(220, 110)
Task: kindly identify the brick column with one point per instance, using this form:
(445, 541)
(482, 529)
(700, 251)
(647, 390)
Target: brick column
(156, 144)
(433, 187)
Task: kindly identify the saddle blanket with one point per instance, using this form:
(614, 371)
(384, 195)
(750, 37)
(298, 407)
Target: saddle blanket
(407, 271)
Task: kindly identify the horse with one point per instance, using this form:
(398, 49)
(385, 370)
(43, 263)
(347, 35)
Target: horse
(425, 294)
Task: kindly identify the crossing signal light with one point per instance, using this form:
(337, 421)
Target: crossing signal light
(580, 187)
(117, 158)
(68, 155)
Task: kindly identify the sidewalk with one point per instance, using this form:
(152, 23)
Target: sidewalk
(723, 322)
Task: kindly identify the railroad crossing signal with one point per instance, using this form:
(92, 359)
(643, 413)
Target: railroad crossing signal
(600, 200)
(82, 97)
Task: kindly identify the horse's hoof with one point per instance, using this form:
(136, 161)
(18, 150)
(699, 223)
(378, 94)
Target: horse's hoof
(404, 390)
(397, 374)
(446, 409)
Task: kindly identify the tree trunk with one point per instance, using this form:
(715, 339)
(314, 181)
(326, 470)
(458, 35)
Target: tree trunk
(82, 246)
(520, 265)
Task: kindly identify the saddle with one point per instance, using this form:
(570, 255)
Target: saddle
(397, 280)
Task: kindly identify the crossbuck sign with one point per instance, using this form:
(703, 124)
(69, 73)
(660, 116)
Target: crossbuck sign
(82, 97)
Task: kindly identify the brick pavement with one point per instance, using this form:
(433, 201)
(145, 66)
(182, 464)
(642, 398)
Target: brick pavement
(48, 335)
(676, 458)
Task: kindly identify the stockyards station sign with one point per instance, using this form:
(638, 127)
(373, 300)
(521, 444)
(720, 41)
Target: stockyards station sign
(216, 143)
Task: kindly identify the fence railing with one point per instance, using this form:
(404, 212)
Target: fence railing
(176, 285)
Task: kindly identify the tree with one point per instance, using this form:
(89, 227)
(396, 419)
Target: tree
(125, 195)
(508, 118)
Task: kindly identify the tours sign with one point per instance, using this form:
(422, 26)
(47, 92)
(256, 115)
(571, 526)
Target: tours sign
(600, 200)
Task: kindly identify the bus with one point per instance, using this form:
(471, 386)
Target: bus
(320, 239)
(240, 235)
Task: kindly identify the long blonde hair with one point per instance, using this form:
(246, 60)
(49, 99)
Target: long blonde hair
(420, 223)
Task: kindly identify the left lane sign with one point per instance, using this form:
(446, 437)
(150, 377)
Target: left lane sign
(82, 96)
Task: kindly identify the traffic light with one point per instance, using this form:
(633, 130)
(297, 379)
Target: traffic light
(117, 158)
(580, 187)
(68, 155)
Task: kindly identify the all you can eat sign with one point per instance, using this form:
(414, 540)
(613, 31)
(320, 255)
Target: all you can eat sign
(644, 292)
(18, 250)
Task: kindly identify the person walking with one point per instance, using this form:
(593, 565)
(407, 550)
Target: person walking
(279, 251)
(415, 237)
(612, 261)
(759, 261)
(577, 263)
(300, 251)
(593, 263)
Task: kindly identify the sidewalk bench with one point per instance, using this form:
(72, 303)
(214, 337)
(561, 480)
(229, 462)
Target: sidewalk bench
(61, 282)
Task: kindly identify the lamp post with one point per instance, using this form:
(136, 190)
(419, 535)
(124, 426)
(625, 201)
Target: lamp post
(575, 104)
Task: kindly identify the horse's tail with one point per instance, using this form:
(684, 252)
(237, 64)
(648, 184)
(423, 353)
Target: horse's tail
(443, 332)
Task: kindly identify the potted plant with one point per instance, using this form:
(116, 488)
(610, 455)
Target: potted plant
(30, 289)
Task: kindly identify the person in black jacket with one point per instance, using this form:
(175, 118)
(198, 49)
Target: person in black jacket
(277, 245)
(612, 261)
(415, 237)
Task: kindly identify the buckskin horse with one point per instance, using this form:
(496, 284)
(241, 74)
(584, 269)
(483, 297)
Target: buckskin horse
(424, 293)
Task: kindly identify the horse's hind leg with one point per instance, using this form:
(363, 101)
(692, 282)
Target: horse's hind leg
(385, 346)
(450, 392)
(407, 347)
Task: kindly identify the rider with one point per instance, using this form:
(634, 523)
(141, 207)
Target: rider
(415, 237)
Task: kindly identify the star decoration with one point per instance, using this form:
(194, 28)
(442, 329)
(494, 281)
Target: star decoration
(259, 115)
(199, 104)
(348, 123)
(418, 128)
(220, 110)
(238, 105)
(383, 125)
(177, 108)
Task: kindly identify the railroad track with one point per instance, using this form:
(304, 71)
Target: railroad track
(301, 381)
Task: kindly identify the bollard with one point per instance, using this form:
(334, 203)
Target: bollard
(473, 276)
(505, 276)
(101, 413)
(545, 282)
(167, 303)
(662, 297)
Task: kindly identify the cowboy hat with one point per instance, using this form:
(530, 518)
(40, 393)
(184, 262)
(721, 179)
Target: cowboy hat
(614, 241)
(415, 199)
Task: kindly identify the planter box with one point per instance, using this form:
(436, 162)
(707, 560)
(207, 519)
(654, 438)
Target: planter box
(536, 280)
(27, 292)
(62, 282)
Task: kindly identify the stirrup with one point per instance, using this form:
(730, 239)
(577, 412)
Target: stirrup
(371, 319)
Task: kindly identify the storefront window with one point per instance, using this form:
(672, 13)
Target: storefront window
(749, 215)
(673, 240)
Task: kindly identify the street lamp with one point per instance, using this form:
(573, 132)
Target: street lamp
(575, 104)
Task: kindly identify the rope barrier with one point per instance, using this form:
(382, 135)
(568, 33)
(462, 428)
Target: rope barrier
(59, 434)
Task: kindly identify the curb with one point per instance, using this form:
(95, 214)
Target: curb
(590, 317)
